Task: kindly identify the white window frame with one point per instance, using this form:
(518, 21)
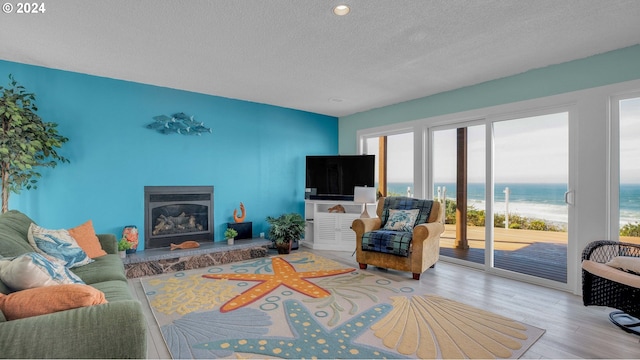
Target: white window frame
(613, 169)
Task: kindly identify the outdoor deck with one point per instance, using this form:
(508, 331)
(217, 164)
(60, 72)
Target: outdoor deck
(538, 253)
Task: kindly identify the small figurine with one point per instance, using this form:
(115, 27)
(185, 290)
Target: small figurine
(236, 218)
(337, 209)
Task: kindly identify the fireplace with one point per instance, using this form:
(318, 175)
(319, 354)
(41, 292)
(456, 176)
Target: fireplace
(173, 214)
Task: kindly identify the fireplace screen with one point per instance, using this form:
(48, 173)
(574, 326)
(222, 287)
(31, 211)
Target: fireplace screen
(178, 213)
(179, 219)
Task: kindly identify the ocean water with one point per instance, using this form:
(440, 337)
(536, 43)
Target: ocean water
(539, 201)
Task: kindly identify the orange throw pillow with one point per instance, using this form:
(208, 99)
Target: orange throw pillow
(49, 299)
(86, 238)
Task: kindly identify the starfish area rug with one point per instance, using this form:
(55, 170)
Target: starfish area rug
(304, 306)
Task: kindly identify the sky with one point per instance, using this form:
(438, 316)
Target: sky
(399, 157)
(533, 149)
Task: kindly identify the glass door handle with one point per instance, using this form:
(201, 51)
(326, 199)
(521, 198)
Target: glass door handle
(568, 197)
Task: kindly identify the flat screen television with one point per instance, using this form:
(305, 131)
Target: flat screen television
(333, 177)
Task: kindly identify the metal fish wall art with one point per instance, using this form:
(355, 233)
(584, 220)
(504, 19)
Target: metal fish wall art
(179, 123)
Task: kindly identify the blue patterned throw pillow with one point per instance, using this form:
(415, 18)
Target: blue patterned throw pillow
(58, 244)
(401, 220)
(33, 270)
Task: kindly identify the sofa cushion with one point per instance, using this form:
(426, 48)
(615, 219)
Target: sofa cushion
(14, 226)
(33, 270)
(387, 241)
(49, 299)
(103, 268)
(86, 238)
(58, 244)
(114, 290)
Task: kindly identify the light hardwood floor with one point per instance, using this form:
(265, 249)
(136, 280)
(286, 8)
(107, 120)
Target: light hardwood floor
(572, 330)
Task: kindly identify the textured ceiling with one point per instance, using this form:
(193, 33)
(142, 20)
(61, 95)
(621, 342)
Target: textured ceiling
(297, 54)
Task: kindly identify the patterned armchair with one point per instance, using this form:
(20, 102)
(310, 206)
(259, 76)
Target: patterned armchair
(405, 236)
(611, 277)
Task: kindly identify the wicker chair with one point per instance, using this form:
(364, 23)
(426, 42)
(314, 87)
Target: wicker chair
(603, 285)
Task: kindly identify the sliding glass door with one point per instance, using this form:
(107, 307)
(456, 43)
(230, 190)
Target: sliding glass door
(459, 164)
(530, 222)
(504, 184)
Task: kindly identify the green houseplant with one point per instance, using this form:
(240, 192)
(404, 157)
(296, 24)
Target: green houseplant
(26, 142)
(285, 229)
(229, 234)
(123, 246)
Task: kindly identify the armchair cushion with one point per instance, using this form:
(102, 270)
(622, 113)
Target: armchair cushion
(406, 203)
(398, 218)
(401, 220)
(630, 264)
(387, 241)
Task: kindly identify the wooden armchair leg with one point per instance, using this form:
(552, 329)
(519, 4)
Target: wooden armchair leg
(362, 266)
(416, 276)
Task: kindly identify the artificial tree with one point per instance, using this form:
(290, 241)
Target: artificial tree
(26, 142)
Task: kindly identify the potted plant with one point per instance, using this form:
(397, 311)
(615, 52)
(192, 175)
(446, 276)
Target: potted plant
(26, 141)
(123, 246)
(285, 229)
(230, 234)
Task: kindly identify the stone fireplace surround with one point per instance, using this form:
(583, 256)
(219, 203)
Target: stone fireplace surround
(162, 260)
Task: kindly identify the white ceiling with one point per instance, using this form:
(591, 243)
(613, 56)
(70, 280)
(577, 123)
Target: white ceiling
(297, 54)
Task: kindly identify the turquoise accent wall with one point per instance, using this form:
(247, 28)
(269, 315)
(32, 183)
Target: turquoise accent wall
(603, 69)
(255, 155)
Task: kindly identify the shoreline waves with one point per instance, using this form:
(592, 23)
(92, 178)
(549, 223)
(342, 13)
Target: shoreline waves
(538, 201)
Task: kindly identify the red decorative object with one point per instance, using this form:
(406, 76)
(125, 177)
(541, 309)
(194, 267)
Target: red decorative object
(130, 232)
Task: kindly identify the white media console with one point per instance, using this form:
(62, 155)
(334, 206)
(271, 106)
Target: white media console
(331, 230)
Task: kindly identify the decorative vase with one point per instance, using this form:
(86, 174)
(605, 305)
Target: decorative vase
(283, 248)
(123, 254)
(130, 232)
(230, 241)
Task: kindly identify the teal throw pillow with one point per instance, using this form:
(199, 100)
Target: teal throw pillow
(401, 220)
(32, 270)
(58, 244)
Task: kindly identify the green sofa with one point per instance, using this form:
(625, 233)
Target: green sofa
(113, 330)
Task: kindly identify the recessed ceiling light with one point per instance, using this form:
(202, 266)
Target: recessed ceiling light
(341, 10)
